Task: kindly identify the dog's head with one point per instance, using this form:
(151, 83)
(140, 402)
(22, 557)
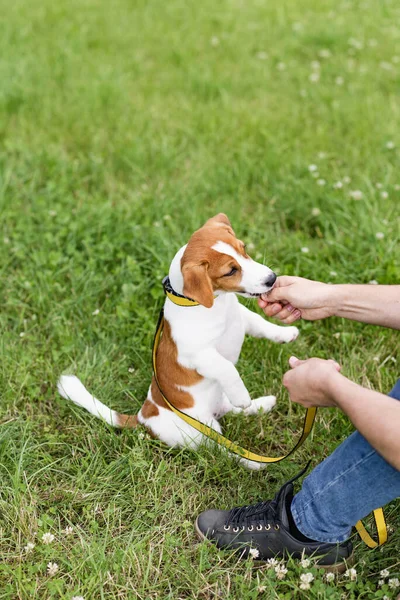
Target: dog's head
(215, 261)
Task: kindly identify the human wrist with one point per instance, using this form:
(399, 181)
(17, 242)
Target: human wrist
(333, 382)
(336, 298)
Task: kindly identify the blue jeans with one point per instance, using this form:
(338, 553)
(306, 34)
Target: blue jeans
(345, 487)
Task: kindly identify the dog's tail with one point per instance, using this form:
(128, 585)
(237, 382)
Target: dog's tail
(71, 388)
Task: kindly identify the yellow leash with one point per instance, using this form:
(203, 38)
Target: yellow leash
(235, 448)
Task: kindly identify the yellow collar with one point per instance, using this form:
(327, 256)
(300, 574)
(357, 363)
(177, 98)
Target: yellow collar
(175, 297)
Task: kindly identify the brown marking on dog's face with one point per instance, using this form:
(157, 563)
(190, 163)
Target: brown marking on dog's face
(205, 270)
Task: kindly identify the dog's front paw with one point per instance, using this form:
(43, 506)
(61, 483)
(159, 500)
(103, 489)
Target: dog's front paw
(286, 335)
(262, 404)
(241, 402)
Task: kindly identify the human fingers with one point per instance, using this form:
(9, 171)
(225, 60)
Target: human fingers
(287, 319)
(270, 309)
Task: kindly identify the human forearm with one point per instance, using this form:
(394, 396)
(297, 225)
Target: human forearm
(379, 305)
(293, 298)
(375, 416)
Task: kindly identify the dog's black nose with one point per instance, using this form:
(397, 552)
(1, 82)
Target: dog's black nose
(270, 280)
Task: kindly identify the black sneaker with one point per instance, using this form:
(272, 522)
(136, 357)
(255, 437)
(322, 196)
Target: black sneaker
(268, 527)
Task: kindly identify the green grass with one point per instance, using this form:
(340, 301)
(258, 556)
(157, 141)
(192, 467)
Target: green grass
(123, 127)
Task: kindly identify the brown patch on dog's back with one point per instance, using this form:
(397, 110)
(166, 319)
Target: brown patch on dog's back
(171, 375)
(149, 409)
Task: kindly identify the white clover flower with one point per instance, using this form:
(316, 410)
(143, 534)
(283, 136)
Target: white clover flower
(356, 194)
(29, 547)
(381, 582)
(316, 212)
(47, 538)
(339, 80)
(385, 221)
(254, 553)
(338, 185)
(315, 174)
(385, 597)
(214, 41)
(355, 43)
(272, 563)
(281, 571)
(22, 334)
(307, 577)
(384, 195)
(262, 55)
(304, 586)
(250, 246)
(141, 435)
(52, 569)
(312, 168)
(322, 155)
(325, 53)
(297, 26)
(393, 583)
(333, 273)
(281, 66)
(305, 563)
(321, 182)
(346, 179)
(156, 224)
(6, 240)
(96, 312)
(68, 530)
(315, 65)
(379, 235)
(390, 145)
(314, 77)
(378, 185)
(131, 370)
(305, 250)
(373, 282)
(167, 217)
(330, 577)
(52, 213)
(351, 574)
(77, 598)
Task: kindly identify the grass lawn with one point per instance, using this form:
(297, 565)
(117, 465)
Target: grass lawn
(123, 127)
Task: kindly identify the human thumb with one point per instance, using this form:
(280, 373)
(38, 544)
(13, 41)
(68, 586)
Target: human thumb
(295, 362)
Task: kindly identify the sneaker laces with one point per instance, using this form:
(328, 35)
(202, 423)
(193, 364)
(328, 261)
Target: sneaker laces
(265, 512)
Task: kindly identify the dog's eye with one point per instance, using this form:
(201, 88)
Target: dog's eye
(231, 272)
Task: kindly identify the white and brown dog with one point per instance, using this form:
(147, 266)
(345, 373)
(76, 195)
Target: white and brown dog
(201, 344)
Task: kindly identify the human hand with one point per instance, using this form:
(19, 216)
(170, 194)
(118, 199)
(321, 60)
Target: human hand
(293, 298)
(309, 382)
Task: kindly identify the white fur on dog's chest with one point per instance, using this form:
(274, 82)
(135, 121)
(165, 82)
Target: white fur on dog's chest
(196, 328)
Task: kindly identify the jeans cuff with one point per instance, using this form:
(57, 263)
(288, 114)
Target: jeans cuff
(315, 535)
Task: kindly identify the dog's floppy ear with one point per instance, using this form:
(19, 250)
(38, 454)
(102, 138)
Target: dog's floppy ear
(197, 284)
(220, 219)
